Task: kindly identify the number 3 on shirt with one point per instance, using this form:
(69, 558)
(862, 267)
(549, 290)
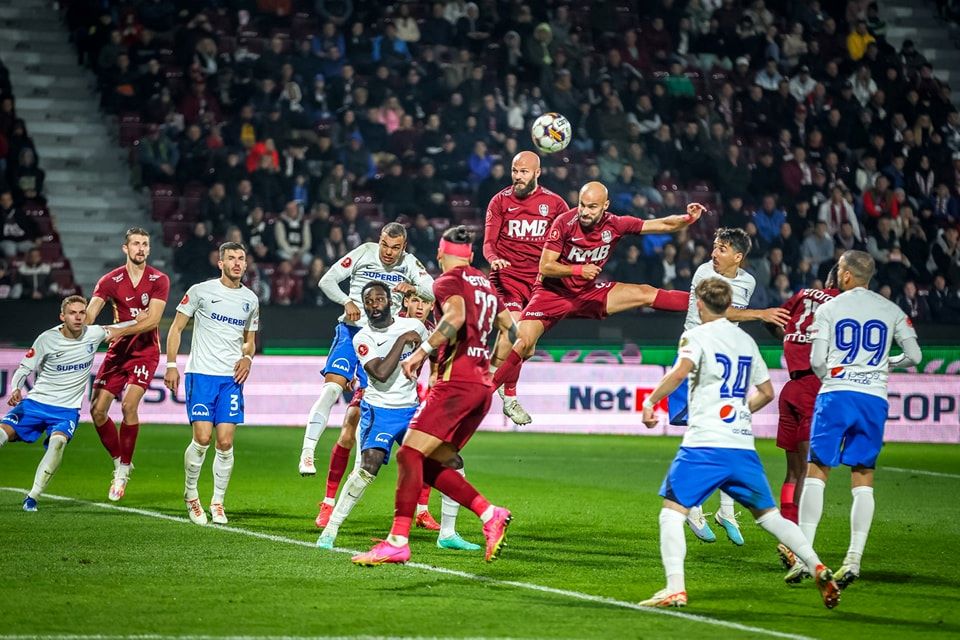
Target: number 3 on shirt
(742, 381)
(488, 308)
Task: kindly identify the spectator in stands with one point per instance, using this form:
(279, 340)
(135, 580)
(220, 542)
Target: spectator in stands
(946, 253)
(631, 268)
(292, 234)
(431, 193)
(216, 209)
(34, 275)
(846, 240)
(795, 173)
(879, 201)
(765, 177)
(192, 259)
(788, 244)
(858, 40)
(333, 247)
(946, 207)
(422, 241)
(158, 157)
(838, 210)
(818, 246)
(769, 218)
(285, 287)
(335, 189)
(733, 174)
(943, 302)
(10, 287)
(312, 296)
(19, 233)
(496, 181)
(803, 277)
(257, 235)
(781, 289)
(913, 304)
(882, 240)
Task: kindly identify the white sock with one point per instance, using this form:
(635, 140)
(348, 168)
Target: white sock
(861, 517)
(357, 482)
(695, 513)
(319, 414)
(123, 470)
(4, 438)
(811, 507)
(487, 515)
(790, 535)
(222, 468)
(726, 506)
(330, 501)
(449, 509)
(422, 507)
(673, 548)
(48, 465)
(116, 464)
(192, 463)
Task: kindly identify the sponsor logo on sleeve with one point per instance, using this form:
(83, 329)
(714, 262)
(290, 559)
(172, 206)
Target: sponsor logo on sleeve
(31, 352)
(185, 300)
(346, 262)
(909, 322)
(362, 350)
(554, 234)
(837, 373)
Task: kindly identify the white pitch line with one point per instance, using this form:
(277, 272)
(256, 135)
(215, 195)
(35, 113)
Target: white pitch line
(154, 636)
(921, 472)
(529, 586)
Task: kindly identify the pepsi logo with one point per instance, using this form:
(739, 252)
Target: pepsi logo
(836, 372)
(728, 413)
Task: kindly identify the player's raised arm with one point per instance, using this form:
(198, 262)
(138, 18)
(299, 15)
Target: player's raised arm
(94, 307)
(171, 378)
(671, 224)
(774, 315)
(454, 315)
(337, 273)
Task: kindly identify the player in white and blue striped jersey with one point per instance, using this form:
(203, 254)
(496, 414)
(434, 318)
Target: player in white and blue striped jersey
(730, 248)
(386, 261)
(722, 363)
(852, 335)
(226, 318)
(61, 357)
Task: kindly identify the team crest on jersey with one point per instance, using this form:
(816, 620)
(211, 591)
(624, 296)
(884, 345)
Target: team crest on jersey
(544, 209)
(144, 299)
(31, 352)
(363, 349)
(246, 307)
(346, 262)
(727, 413)
(909, 322)
(91, 348)
(606, 236)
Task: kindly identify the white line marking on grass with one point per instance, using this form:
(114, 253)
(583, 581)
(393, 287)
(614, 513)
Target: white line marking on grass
(921, 472)
(154, 636)
(575, 595)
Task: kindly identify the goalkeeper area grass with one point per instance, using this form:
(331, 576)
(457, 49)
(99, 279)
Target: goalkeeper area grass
(582, 550)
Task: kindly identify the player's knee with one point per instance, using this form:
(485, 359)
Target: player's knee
(98, 414)
(224, 442)
(202, 439)
(347, 438)
(130, 413)
(57, 441)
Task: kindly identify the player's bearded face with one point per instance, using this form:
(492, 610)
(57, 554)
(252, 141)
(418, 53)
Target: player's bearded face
(376, 304)
(524, 180)
(137, 249)
(233, 264)
(590, 211)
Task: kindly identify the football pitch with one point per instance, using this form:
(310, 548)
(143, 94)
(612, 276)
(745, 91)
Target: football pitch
(583, 548)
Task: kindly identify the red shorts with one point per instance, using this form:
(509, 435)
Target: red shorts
(355, 400)
(116, 373)
(453, 411)
(796, 411)
(513, 288)
(550, 307)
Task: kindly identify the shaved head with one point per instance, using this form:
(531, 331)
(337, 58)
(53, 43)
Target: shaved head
(524, 172)
(594, 202)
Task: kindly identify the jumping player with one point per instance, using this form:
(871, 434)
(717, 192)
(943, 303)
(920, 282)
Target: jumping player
(578, 246)
(226, 318)
(137, 292)
(62, 357)
(730, 248)
(518, 219)
(388, 262)
(852, 335)
(455, 406)
(722, 362)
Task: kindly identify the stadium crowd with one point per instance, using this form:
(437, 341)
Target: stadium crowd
(300, 126)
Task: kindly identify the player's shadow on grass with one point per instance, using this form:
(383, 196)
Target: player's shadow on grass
(892, 577)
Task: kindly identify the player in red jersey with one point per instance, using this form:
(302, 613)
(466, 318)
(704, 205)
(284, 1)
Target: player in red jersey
(138, 292)
(455, 406)
(799, 394)
(518, 219)
(578, 246)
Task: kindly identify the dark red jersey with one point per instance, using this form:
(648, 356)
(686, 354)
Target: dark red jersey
(579, 246)
(467, 357)
(128, 302)
(796, 337)
(517, 228)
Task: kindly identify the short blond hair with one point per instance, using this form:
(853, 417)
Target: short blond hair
(715, 294)
(69, 300)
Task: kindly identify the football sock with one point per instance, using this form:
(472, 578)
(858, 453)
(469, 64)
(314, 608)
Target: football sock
(4, 438)
(509, 370)
(695, 513)
(861, 517)
(128, 441)
(319, 414)
(409, 482)
(48, 465)
(787, 507)
(811, 507)
(357, 482)
(109, 438)
(339, 458)
(790, 535)
(673, 548)
(449, 509)
(671, 300)
(726, 506)
(222, 469)
(192, 463)
(455, 486)
(423, 502)
(123, 470)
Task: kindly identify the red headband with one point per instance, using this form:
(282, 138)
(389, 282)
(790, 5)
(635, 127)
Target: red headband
(454, 249)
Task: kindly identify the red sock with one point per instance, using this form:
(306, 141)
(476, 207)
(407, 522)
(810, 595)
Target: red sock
(409, 483)
(339, 458)
(424, 494)
(510, 383)
(509, 371)
(788, 508)
(671, 300)
(128, 440)
(108, 436)
(454, 486)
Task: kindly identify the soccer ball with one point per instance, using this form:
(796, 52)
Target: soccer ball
(551, 132)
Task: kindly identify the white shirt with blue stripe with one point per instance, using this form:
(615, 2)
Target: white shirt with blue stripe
(62, 365)
(742, 284)
(221, 315)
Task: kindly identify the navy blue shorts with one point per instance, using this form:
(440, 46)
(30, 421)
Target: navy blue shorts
(847, 429)
(216, 399)
(696, 472)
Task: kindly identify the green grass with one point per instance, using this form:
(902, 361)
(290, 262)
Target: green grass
(585, 520)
